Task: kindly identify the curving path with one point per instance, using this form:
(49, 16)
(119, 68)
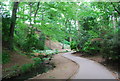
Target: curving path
(64, 69)
(89, 69)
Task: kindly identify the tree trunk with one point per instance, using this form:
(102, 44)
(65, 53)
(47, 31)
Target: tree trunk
(12, 25)
(31, 25)
(36, 12)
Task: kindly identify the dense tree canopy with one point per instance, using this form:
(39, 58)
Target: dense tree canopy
(88, 27)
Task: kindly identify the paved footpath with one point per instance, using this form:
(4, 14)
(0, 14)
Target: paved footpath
(89, 69)
(64, 69)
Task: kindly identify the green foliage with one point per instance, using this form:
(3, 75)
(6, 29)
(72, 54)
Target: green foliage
(30, 43)
(12, 71)
(6, 20)
(92, 47)
(26, 41)
(66, 42)
(16, 70)
(46, 48)
(60, 21)
(45, 59)
(56, 51)
(37, 51)
(38, 60)
(26, 67)
(110, 46)
(5, 30)
(41, 42)
(73, 45)
(46, 52)
(5, 57)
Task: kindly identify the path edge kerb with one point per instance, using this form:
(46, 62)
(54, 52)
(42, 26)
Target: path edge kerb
(116, 76)
(78, 66)
(75, 71)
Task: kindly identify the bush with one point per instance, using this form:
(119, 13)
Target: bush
(92, 47)
(66, 42)
(111, 45)
(37, 60)
(26, 40)
(5, 57)
(110, 50)
(5, 30)
(16, 70)
(26, 67)
(73, 45)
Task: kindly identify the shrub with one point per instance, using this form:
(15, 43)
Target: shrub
(110, 50)
(37, 60)
(111, 45)
(26, 40)
(5, 30)
(92, 47)
(73, 45)
(26, 67)
(66, 42)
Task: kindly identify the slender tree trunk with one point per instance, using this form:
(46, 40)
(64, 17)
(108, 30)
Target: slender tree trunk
(36, 12)
(63, 45)
(114, 27)
(70, 38)
(30, 4)
(12, 25)
(31, 26)
(114, 22)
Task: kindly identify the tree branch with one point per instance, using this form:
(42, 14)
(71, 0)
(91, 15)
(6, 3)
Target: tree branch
(115, 8)
(36, 11)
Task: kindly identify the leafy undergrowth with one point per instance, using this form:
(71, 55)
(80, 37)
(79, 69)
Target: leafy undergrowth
(5, 57)
(17, 70)
(45, 53)
(27, 71)
(41, 63)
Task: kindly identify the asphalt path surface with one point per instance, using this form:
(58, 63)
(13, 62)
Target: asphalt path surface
(89, 69)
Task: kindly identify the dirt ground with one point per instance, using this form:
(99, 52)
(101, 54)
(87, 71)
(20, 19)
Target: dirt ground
(53, 44)
(17, 59)
(64, 69)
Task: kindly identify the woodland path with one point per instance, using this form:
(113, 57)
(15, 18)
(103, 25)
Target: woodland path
(64, 69)
(70, 67)
(89, 69)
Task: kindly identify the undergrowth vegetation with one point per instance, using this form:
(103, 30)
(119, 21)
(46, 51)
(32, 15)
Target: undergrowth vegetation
(5, 57)
(39, 61)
